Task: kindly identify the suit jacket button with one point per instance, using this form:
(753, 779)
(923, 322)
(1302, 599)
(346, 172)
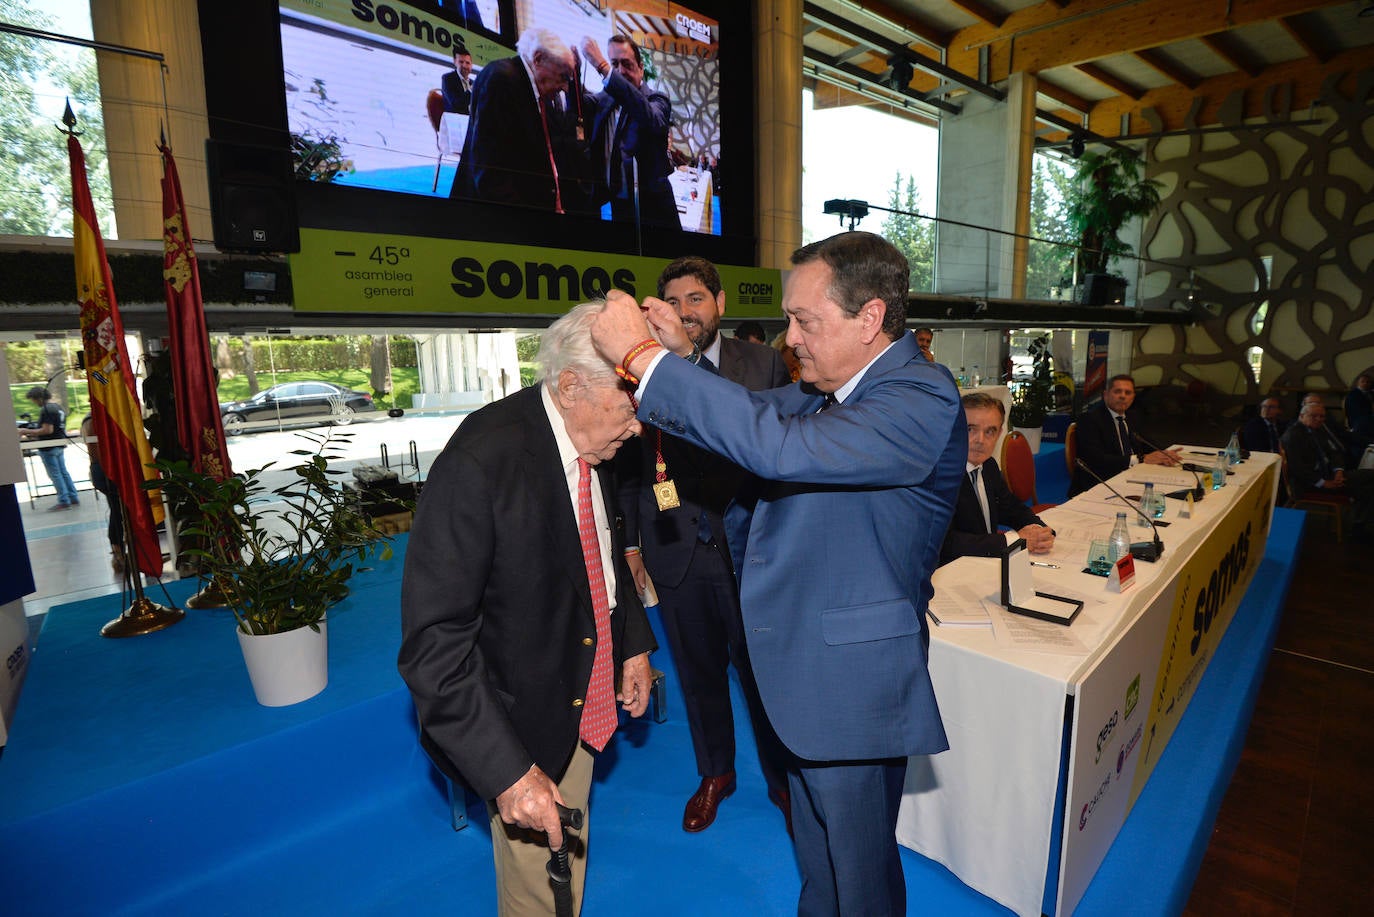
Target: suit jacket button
(587, 641)
(577, 702)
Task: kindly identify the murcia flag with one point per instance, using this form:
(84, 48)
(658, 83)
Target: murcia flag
(193, 371)
(124, 451)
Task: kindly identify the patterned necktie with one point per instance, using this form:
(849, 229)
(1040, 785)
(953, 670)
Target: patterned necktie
(973, 478)
(598, 711)
(1273, 436)
(829, 402)
(1123, 435)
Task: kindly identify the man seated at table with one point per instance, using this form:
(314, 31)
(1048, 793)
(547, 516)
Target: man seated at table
(1262, 433)
(985, 502)
(1109, 440)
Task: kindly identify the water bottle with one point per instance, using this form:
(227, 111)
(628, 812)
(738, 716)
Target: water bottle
(1233, 450)
(1119, 545)
(977, 379)
(1147, 505)
(1219, 471)
(962, 379)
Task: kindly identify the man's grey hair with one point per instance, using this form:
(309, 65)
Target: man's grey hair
(567, 344)
(532, 40)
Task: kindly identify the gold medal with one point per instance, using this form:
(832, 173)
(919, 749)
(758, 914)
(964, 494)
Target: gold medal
(665, 492)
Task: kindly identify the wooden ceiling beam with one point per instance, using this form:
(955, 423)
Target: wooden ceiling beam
(1305, 39)
(1114, 83)
(923, 30)
(982, 11)
(1163, 65)
(1298, 82)
(1063, 96)
(1225, 47)
(1045, 36)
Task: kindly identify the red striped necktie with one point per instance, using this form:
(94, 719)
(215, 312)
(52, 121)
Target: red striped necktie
(598, 711)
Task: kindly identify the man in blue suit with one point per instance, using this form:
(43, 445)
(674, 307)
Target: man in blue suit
(855, 475)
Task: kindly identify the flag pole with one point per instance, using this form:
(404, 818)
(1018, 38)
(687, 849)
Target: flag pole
(143, 616)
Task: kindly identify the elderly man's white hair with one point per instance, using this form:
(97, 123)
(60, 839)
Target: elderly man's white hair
(532, 40)
(567, 344)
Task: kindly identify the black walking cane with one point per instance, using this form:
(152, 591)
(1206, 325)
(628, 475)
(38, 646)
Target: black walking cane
(560, 874)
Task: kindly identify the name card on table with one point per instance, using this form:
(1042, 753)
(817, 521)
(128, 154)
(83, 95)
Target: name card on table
(1122, 576)
(1020, 596)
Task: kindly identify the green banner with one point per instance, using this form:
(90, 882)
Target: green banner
(400, 23)
(339, 271)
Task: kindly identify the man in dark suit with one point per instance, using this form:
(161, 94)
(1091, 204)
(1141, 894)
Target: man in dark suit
(1262, 433)
(519, 616)
(508, 152)
(629, 142)
(855, 475)
(457, 83)
(686, 555)
(1316, 462)
(1359, 406)
(1108, 437)
(985, 502)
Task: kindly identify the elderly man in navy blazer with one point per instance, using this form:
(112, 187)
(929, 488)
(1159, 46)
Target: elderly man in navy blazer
(855, 473)
(986, 504)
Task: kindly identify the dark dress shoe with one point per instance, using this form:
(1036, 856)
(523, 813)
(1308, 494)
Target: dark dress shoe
(701, 808)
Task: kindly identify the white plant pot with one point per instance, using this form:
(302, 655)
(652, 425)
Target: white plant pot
(1032, 435)
(286, 668)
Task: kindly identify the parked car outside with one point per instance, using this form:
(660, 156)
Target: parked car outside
(296, 402)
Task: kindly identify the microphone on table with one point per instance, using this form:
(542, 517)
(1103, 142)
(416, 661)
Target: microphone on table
(1198, 490)
(1140, 550)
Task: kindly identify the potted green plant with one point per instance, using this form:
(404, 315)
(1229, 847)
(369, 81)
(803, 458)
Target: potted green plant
(281, 557)
(1109, 193)
(1033, 399)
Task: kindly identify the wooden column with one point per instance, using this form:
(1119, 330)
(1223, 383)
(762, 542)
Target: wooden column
(778, 76)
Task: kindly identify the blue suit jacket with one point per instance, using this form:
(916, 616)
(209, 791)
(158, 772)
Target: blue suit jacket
(834, 542)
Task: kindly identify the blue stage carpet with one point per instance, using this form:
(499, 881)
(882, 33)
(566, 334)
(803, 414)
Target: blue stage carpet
(204, 803)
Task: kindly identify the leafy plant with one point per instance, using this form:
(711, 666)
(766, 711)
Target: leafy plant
(1108, 193)
(282, 566)
(1034, 399)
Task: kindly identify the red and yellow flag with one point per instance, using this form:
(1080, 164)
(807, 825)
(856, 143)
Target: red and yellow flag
(199, 427)
(124, 451)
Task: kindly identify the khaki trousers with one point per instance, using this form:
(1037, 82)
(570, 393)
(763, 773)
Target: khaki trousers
(522, 856)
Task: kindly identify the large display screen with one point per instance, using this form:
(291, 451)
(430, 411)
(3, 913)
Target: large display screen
(470, 100)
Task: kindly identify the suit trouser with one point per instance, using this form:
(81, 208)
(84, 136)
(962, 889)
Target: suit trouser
(522, 856)
(701, 618)
(844, 820)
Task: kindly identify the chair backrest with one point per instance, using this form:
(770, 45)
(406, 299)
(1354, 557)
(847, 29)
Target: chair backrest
(1071, 448)
(1018, 467)
(434, 107)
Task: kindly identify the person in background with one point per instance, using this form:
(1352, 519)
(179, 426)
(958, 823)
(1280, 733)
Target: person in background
(520, 627)
(686, 554)
(855, 476)
(924, 338)
(52, 425)
(985, 502)
(789, 356)
(1350, 443)
(1262, 433)
(1359, 406)
(1109, 440)
(1316, 462)
(101, 482)
(457, 83)
(752, 332)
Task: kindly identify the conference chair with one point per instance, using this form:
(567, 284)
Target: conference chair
(1316, 501)
(1071, 449)
(1018, 468)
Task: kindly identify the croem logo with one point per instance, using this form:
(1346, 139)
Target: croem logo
(536, 280)
(1092, 803)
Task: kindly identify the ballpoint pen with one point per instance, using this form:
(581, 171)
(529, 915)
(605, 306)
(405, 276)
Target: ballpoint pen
(1036, 563)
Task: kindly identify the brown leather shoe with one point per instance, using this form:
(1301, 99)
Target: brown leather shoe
(701, 808)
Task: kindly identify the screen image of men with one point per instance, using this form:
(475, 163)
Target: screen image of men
(985, 501)
(686, 555)
(457, 83)
(519, 616)
(629, 142)
(855, 475)
(508, 152)
(1109, 437)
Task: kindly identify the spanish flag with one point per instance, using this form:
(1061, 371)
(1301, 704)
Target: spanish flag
(124, 451)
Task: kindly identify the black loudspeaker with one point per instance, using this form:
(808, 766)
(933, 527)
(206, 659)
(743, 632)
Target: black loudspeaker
(252, 198)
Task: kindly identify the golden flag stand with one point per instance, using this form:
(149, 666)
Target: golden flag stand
(143, 616)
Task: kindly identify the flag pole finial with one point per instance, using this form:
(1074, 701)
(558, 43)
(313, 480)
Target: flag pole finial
(69, 119)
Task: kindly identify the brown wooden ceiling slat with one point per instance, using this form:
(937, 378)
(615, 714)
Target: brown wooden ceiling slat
(1179, 74)
(1092, 71)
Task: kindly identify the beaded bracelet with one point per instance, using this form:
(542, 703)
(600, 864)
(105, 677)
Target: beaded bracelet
(623, 370)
